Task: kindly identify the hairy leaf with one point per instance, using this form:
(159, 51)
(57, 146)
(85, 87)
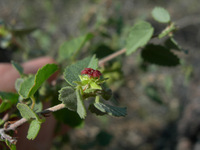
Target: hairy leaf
(161, 15)
(27, 112)
(8, 100)
(111, 110)
(80, 106)
(34, 129)
(159, 55)
(70, 48)
(32, 83)
(73, 71)
(68, 97)
(139, 35)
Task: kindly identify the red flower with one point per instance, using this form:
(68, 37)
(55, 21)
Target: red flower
(91, 72)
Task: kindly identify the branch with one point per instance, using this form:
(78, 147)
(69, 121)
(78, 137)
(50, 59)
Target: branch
(20, 122)
(111, 56)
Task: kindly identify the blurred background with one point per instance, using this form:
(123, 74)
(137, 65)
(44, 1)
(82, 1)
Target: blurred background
(163, 103)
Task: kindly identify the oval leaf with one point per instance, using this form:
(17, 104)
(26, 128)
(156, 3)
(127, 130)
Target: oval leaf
(159, 55)
(26, 112)
(139, 35)
(33, 130)
(161, 15)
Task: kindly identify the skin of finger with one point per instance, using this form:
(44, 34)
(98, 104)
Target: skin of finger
(8, 74)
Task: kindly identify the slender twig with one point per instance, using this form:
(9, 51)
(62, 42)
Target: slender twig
(111, 56)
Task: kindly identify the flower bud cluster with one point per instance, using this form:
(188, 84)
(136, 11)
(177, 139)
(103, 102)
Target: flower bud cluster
(91, 72)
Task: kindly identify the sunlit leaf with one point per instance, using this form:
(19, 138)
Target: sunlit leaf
(26, 112)
(161, 15)
(34, 129)
(138, 37)
(31, 84)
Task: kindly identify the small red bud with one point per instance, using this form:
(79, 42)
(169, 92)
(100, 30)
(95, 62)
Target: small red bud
(91, 72)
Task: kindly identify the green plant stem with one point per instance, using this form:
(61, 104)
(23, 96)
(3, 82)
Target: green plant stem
(33, 102)
(97, 99)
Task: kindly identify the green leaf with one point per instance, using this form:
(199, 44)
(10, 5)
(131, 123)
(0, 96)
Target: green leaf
(32, 83)
(34, 129)
(68, 97)
(18, 67)
(18, 83)
(70, 48)
(111, 110)
(159, 55)
(73, 71)
(26, 112)
(80, 106)
(139, 36)
(161, 15)
(26, 86)
(8, 100)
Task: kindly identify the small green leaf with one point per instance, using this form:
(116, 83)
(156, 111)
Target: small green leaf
(34, 129)
(111, 110)
(138, 37)
(32, 83)
(73, 71)
(42, 75)
(159, 55)
(18, 83)
(68, 97)
(80, 106)
(161, 15)
(27, 112)
(8, 100)
(70, 48)
(18, 67)
(95, 86)
(26, 86)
